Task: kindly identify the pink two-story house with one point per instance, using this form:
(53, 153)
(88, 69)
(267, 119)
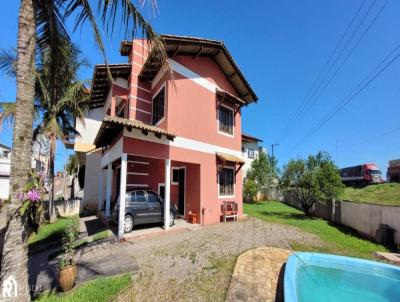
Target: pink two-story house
(180, 135)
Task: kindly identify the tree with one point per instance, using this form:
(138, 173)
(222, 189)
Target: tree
(262, 174)
(14, 256)
(63, 98)
(60, 98)
(249, 190)
(42, 24)
(316, 178)
(72, 168)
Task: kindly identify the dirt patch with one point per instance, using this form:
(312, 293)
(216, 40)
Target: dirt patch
(198, 265)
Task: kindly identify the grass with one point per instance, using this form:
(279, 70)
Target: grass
(52, 232)
(388, 193)
(337, 239)
(100, 289)
(101, 235)
(208, 284)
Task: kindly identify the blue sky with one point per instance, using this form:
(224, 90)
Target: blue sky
(281, 47)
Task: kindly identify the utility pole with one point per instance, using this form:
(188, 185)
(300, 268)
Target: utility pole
(272, 148)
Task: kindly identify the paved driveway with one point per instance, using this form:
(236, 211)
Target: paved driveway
(197, 265)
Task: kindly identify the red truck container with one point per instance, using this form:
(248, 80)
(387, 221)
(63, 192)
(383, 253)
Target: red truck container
(365, 173)
(393, 171)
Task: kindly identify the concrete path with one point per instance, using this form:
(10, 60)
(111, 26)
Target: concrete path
(258, 275)
(90, 225)
(94, 260)
(106, 259)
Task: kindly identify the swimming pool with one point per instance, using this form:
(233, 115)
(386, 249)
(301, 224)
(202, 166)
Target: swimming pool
(323, 277)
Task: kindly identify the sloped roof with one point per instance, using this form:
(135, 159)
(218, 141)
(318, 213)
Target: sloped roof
(112, 125)
(250, 138)
(5, 147)
(101, 82)
(183, 45)
(230, 158)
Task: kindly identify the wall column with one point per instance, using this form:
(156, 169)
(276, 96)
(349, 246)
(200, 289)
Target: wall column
(100, 188)
(167, 193)
(108, 193)
(122, 194)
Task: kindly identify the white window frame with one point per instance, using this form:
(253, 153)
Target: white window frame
(234, 182)
(165, 103)
(233, 126)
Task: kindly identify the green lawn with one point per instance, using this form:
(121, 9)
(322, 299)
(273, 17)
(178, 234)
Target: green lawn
(388, 193)
(52, 232)
(338, 240)
(102, 235)
(98, 290)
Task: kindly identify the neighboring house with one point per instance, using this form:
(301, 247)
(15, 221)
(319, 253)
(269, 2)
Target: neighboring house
(179, 136)
(5, 153)
(60, 186)
(40, 160)
(250, 149)
(41, 154)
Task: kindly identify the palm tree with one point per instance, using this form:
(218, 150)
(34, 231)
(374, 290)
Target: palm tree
(60, 98)
(72, 169)
(41, 24)
(63, 99)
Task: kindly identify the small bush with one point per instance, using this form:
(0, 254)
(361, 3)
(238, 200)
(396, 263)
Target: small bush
(250, 190)
(68, 242)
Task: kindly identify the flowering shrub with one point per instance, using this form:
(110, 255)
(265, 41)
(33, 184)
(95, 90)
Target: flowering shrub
(32, 199)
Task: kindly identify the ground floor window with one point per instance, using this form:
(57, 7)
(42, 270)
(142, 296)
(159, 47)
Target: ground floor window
(226, 181)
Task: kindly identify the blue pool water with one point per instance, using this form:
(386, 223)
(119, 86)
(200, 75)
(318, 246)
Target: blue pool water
(328, 278)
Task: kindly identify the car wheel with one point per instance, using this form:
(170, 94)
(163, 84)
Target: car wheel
(128, 223)
(171, 218)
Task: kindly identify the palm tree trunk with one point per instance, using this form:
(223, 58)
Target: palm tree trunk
(73, 187)
(52, 213)
(15, 253)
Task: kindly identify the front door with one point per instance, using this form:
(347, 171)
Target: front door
(181, 193)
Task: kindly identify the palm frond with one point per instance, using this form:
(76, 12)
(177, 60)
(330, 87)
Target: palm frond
(128, 16)
(84, 13)
(75, 102)
(8, 61)
(52, 34)
(72, 166)
(7, 113)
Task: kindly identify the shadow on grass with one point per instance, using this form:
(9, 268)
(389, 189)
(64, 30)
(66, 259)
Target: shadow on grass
(49, 234)
(286, 215)
(283, 215)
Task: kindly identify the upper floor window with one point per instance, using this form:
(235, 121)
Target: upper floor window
(120, 112)
(226, 119)
(158, 106)
(251, 153)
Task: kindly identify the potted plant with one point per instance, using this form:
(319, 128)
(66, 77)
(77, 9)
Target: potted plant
(67, 267)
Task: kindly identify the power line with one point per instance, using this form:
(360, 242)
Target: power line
(378, 70)
(348, 55)
(305, 98)
(345, 146)
(310, 102)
